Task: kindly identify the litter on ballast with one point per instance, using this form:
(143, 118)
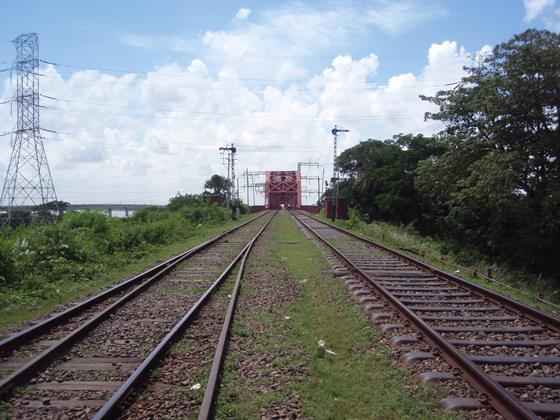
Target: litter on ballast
(321, 344)
(195, 386)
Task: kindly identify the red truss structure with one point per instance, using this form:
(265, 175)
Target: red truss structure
(282, 190)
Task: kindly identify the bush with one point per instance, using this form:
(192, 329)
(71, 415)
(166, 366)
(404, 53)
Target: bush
(206, 214)
(7, 266)
(38, 260)
(83, 244)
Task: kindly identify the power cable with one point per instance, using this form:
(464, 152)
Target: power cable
(151, 50)
(181, 75)
(231, 120)
(259, 114)
(244, 88)
(140, 144)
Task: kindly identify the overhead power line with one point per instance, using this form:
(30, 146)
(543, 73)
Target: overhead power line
(256, 115)
(190, 143)
(166, 145)
(182, 75)
(172, 150)
(318, 120)
(151, 50)
(242, 88)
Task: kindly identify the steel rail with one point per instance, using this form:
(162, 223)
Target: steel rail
(212, 383)
(32, 366)
(541, 317)
(112, 407)
(10, 343)
(505, 403)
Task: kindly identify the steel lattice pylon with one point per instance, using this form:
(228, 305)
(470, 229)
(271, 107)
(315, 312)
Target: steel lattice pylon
(28, 179)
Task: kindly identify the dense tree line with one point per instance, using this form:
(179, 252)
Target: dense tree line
(380, 176)
(491, 178)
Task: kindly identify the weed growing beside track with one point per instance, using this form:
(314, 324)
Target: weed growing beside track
(45, 273)
(523, 287)
(284, 371)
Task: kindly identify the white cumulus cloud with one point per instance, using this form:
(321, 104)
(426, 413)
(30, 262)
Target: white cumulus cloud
(141, 137)
(545, 11)
(534, 8)
(396, 16)
(242, 14)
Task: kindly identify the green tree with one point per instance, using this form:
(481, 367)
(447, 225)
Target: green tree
(498, 185)
(218, 184)
(51, 211)
(380, 176)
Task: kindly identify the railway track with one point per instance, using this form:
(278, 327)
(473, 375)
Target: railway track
(36, 338)
(508, 352)
(89, 362)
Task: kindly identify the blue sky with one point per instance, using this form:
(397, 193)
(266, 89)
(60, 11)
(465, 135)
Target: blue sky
(99, 33)
(146, 91)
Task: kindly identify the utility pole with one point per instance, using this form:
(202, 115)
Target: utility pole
(28, 179)
(247, 183)
(230, 150)
(334, 179)
(322, 184)
(237, 212)
(319, 193)
(253, 184)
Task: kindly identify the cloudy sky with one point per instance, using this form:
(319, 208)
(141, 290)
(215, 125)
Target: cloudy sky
(142, 93)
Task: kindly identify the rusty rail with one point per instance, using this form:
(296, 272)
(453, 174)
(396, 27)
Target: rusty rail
(112, 407)
(536, 315)
(31, 367)
(22, 337)
(212, 384)
(490, 390)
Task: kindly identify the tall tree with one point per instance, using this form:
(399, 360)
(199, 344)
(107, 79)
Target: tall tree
(510, 104)
(218, 184)
(501, 188)
(379, 176)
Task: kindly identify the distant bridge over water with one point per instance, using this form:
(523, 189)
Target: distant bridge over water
(108, 208)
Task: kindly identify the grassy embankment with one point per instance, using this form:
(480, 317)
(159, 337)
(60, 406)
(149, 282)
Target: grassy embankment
(46, 266)
(520, 286)
(359, 381)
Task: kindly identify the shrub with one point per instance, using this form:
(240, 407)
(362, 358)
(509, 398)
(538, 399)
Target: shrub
(7, 266)
(37, 260)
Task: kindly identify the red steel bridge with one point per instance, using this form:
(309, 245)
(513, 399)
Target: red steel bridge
(282, 190)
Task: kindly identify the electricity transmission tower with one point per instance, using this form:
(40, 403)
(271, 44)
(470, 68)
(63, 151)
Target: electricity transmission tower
(28, 179)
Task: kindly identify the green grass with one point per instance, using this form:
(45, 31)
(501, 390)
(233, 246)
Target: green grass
(70, 291)
(360, 381)
(523, 287)
(184, 346)
(5, 411)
